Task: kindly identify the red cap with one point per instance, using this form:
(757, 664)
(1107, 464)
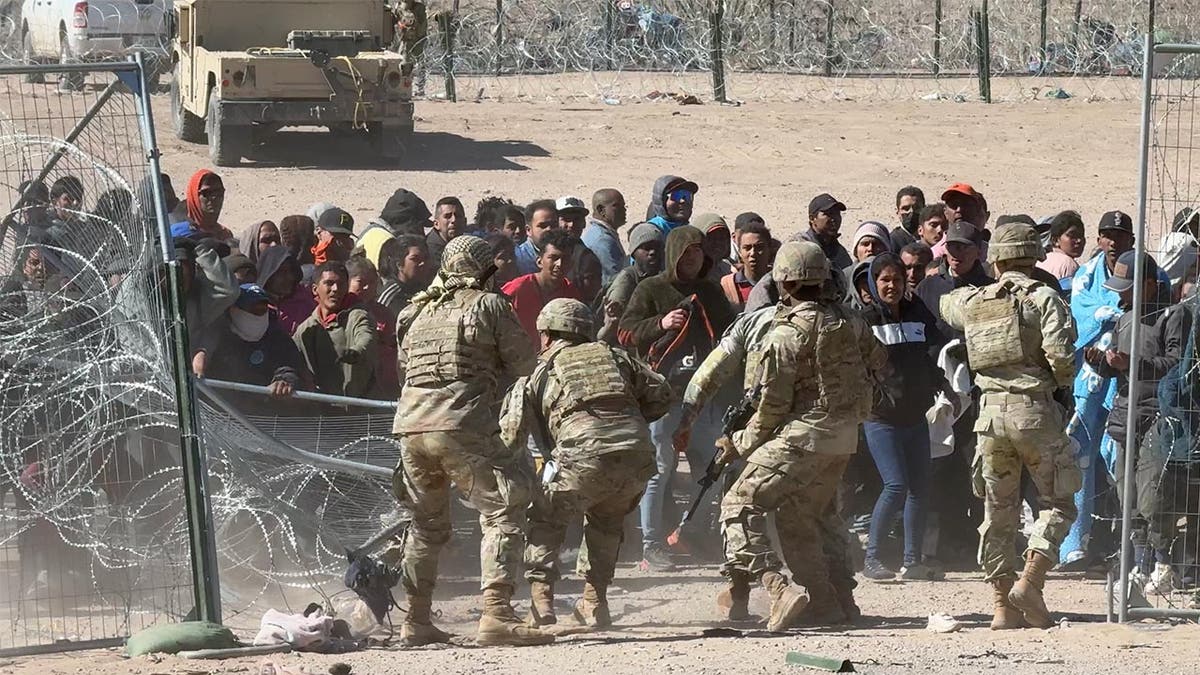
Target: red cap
(962, 189)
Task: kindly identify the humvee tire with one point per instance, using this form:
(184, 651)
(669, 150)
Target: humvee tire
(188, 127)
(390, 141)
(226, 143)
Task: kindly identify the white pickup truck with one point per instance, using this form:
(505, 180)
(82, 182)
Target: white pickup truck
(73, 31)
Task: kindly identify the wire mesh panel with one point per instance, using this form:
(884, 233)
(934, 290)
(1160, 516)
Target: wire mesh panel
(93, 542)
(1164, 500)
(795, 49)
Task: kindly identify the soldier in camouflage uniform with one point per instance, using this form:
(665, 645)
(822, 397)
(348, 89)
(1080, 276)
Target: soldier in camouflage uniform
(592, 403)
(1020, 344)
(818, 360)
(458, 340)
(412, 29)
(741, 349)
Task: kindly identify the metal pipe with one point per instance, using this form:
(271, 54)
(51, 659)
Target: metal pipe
(206, 583)
(1135, 323)
(303, 395)
(1175, 48)
(62, 646)
(51, 68)
(291, 452)
(1160, 613)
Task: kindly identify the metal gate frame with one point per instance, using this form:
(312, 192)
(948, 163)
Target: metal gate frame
(1124, 611)
(202, 549)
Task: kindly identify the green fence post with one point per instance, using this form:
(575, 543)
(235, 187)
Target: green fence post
(828, 38)
(716, 53)
(937, 37)
(446, 24)
(499, 35)
(1045, 8)
(987, 52)
(1075, 24)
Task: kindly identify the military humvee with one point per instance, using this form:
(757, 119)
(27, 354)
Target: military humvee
(247, 68)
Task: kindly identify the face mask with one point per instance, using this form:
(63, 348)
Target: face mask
(321, 251)
(247, 326)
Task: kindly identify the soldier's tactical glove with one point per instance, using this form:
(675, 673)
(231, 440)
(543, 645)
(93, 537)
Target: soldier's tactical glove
(726, 453)
(349, 356)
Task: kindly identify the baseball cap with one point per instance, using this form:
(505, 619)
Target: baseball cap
(962, 189)
(336, 221)
(824, 202)
(744, 219)
(1116, 220)
(963, 233)
(1121, 279)
(1019, 218)
(681, 184)
(570, 204)
(251, 294)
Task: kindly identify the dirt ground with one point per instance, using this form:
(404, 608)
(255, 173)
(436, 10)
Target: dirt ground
(1035, 155)
(1029, 154)
(663, 619)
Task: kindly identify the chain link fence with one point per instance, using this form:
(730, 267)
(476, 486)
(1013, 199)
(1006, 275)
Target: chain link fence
(93, 541)
(1158, 466)
(786, 50)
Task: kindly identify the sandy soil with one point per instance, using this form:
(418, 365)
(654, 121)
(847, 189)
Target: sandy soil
(1028, 155)
(1035, 156)
(663, 619)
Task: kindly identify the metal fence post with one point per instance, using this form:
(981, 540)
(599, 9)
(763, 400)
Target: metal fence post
(937, 37)
(828, 38)
(446, 24)
(206, 586)
(499, 35)
(1044, 10)
(1075, 24)
(1135, 323)
(716, 53)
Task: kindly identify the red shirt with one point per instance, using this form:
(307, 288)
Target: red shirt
(528, 300)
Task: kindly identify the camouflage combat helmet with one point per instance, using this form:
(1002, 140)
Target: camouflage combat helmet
(566, 316)
(1015, 241)
(467, 256)
(801, 261)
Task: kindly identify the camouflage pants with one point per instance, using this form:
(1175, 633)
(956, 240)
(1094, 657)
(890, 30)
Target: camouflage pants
(1016, 431)
(496, 484)
(604, 489)
(800, 499)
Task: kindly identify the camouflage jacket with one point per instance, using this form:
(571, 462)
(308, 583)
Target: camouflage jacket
(819, 365)
(740, 346)
(1033, 354)
(585, 399)
(455, 355)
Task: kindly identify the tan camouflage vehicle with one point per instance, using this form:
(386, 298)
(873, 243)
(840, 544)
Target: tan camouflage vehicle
(247, 68)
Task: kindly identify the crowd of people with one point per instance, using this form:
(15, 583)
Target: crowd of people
(983, 343)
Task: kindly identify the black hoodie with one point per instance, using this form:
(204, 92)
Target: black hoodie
(912, 341)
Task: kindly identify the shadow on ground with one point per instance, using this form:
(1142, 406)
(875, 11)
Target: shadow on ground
(435, 151)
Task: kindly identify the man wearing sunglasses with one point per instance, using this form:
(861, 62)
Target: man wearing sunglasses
(671, 203)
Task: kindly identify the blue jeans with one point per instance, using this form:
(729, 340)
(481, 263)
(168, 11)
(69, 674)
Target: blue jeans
(902, 456)
(700, 452)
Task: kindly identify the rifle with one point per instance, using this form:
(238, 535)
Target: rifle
(736, 417)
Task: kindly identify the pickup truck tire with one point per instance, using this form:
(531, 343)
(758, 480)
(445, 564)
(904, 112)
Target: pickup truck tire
(68, 81)
(226, 143)
(28, 58)
(188, 127)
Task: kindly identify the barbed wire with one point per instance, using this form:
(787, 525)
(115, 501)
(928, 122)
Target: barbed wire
(792, 50)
